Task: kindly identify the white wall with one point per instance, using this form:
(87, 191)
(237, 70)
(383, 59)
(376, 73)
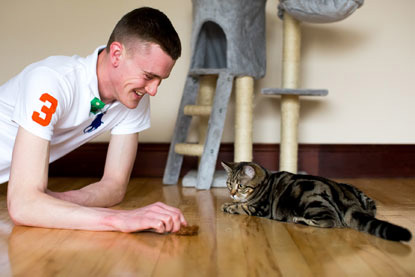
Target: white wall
(366, 61)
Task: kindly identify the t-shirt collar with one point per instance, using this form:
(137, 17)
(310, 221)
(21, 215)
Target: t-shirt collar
(91, 61)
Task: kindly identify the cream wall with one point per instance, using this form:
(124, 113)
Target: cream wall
(366, 61)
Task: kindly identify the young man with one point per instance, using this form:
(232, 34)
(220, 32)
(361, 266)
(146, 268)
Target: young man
(58, 104)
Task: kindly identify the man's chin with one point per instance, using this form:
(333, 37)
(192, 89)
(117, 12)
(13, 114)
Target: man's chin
(131, 104)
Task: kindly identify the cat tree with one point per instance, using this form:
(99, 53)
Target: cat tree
(293, 12)
(228, 38)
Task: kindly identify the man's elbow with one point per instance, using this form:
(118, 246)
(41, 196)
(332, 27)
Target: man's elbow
(115, 191)
(117, 198)
(17, 213)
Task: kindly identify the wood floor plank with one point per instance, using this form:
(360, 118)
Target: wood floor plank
(285, 251)
(227, 245)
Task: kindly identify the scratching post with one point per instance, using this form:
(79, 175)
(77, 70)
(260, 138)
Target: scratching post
(244, 93)
(290, 104)
(292, 12)
(205, 100)
(290, 94)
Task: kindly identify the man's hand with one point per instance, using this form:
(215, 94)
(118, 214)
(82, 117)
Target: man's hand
(157, 217)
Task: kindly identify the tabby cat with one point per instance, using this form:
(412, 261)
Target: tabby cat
(305, 199)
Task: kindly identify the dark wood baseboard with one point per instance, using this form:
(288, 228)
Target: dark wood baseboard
(333, 161)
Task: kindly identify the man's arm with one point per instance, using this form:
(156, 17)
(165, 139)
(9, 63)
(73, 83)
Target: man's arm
(29, 204)
(110, 190)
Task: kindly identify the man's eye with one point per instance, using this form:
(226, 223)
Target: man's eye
(148, 76)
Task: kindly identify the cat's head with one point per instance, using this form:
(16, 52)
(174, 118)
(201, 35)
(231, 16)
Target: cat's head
(244, 178)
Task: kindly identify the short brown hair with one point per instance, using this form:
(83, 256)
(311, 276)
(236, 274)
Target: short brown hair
(148, 25)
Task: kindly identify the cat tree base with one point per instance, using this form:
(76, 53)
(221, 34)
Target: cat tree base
(219, 179)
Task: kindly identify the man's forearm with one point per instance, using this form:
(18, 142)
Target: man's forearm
(49, 212)
(110, 190)
(99, 194)
(29, 203)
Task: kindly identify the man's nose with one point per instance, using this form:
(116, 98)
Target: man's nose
(152, 86)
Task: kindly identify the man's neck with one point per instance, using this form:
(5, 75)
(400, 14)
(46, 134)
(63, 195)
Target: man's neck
(104, 84)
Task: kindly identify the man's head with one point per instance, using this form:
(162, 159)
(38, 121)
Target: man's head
(141, 52)
(147, 25)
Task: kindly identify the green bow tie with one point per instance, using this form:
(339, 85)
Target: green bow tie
(96, 105)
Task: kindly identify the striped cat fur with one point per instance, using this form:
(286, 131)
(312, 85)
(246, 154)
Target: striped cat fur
(304, 199)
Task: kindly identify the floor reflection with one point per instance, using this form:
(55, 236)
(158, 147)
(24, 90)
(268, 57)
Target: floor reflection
(45, 252)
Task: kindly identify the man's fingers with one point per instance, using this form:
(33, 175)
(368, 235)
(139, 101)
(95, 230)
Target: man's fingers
(157, 217)
(156, 226)
(174, 211)
(163, 221)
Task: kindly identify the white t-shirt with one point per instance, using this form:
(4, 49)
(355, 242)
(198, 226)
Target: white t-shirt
(52, 100)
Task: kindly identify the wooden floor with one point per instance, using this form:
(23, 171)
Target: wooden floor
(227, 245)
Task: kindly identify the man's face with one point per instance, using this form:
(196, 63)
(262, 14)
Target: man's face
(140, 72)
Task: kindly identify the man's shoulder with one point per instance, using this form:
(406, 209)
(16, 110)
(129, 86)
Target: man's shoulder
(60, 65)
(75, 69)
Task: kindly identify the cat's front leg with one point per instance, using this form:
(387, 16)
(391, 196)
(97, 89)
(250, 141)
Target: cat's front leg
(237, 208)
(231, 208)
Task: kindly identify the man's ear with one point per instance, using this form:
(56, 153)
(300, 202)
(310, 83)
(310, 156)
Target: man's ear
(116, 53)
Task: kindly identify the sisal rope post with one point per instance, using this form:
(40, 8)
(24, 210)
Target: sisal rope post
(290, 104)
(205, 98)
(244, 94)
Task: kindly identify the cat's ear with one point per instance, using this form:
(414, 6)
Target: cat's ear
(227, 166)
(249, 171)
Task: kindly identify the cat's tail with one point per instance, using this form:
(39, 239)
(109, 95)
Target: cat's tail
(383, 229)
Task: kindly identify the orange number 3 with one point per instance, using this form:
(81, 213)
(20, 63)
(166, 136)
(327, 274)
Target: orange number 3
(48, 111)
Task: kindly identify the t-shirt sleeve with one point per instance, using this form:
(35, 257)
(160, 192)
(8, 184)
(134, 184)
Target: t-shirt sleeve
(39, 102)
(137, 119)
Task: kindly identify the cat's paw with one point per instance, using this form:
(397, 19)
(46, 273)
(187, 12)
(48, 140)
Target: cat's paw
(302, 220)
(229, 208)
(225, 206)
